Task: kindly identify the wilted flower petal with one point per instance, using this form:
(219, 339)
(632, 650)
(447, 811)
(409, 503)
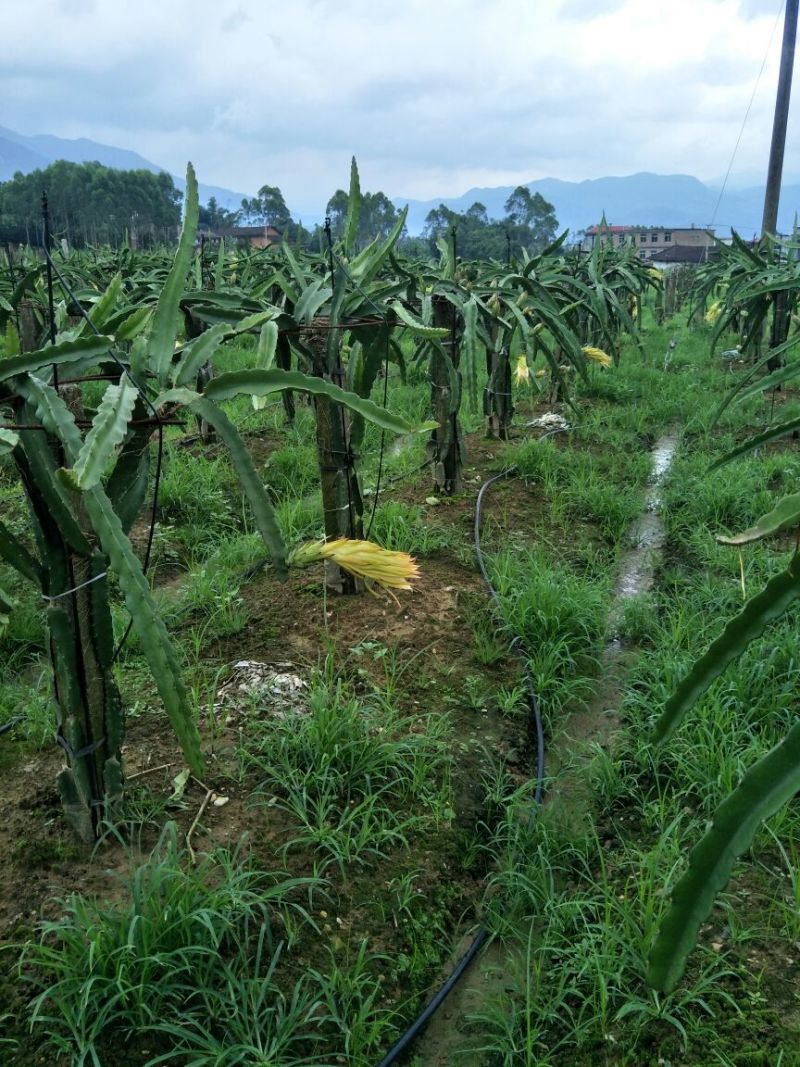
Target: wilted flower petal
(598, 355)
(521, 372)
(713, 312)
(363, 559)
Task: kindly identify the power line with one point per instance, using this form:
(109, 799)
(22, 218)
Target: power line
(746, 115)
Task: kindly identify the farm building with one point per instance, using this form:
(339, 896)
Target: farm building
(253, 236)
(649, 241)
(679, 255)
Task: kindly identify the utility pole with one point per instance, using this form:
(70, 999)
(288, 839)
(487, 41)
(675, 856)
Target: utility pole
(775, 170)
(772, 195)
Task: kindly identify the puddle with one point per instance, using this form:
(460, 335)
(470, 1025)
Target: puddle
(663, 454)
(599, 721)
(646, 536)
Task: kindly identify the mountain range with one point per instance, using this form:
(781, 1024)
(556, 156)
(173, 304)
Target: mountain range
(644, 199)
(669, 200)
(27, 153)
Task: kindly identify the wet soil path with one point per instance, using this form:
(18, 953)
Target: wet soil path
(445, 1042)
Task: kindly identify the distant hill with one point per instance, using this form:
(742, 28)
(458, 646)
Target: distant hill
(638, 199)
(15, 157)
(21, 153)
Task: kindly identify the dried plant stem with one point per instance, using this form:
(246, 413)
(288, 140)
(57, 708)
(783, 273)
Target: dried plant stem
(152, 770)
(197, 818)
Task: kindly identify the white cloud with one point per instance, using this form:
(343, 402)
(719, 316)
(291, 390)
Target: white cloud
(431, 98)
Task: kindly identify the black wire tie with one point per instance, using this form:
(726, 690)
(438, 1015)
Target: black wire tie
(81, 753)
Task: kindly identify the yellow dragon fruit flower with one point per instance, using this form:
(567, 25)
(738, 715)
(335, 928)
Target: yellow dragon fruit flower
(713, 313)
(521, 372)
(598, 355)
(362, 559)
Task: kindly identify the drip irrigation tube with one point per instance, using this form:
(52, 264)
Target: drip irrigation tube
(537, 729)
(428, 1012)
(4, 729)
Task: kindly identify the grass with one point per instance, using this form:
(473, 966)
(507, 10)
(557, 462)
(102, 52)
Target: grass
(580, 913)
(361, 799)
(181, 934)
(559, 617)
(668, 799)
(356, 776)
(409, 528)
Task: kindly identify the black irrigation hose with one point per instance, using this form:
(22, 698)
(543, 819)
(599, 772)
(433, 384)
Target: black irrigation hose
(427, 1013)
(483, 935)
(383, 443)
(391, 481)
(516, 642)
(4, 729)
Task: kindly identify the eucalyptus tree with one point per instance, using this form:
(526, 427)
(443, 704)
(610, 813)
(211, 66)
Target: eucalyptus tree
(217, 217)
(377, 215)
(90, 204)
(528, 227)
(267, 206)
(535, 215)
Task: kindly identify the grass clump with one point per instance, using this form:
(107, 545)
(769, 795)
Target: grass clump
(559, 617)
(405, 528)
(177, 940)
(357, 776)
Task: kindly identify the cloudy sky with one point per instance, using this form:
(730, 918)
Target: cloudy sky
(432, 96)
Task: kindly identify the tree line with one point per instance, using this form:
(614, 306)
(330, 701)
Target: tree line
(377, 217)
(90, 204)
(529, 222)
(94, 204)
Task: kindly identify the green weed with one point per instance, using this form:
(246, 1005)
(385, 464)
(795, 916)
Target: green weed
(357, 776)
(103, 970)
